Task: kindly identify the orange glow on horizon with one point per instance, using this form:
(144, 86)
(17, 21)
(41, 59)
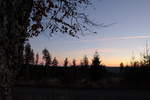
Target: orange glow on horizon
(111, 62)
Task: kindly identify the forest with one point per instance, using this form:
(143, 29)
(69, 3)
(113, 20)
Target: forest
(123, 24)
(85, 75)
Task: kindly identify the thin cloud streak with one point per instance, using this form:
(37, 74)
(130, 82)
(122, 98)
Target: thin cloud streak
(92, 50)
(118, 38)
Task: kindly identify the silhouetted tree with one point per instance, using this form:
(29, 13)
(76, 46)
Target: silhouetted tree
(96, 60)
(136, 64)
(46, 57)
(81, 63)
(15, 29)
(28, 54)
(66, 62)
(121, 66)
(146, 57)
(146, 60)
(14, 18)
(74, 63)
(37, 59)
(55, 62)
(32, 57)
(85, 61)
(97, 69)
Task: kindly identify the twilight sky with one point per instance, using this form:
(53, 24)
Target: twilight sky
(115, 44)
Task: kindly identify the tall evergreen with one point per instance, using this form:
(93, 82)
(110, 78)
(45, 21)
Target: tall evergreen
(55, 62)
(21, 19)
(66, 62)
(121, 66)
(85, 61)
(96, 60)
(28, 54)
(32, 57)
(97, 69)
(81, 63)
(37, 59)
(74, 63)
(47, 57)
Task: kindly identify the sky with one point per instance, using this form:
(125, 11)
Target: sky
(119, 42)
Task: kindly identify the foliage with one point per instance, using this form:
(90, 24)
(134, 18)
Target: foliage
(32, 56)
(81, 63)
(59, 15)
(37, 59)
(66, 62)
(96, 60)
(47, 57)
(28, 54)
(19, 17)
(85, 61)
(121, 66)
(74, 63)
(139, 71)
(55, 62)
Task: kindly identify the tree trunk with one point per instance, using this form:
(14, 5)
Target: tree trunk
(14, 20)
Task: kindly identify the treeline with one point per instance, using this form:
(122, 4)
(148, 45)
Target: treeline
(30, 58)
(64, 74)
(33, 70)
(137, 72)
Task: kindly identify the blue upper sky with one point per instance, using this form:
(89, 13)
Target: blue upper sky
(115, 44)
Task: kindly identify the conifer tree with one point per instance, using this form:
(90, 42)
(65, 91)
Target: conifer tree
(46, 57)
(55, 62)
(37, 59)
(66, 62)
(21, 19)
(74, 63)
(85, 61)
(32, 57)
(28, 54)
(81, 63)
(96, 60)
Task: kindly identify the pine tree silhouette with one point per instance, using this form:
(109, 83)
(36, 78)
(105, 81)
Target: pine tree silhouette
(32, 57)
(96, 60)
(121, 66)
(74, 63)
(81, 63)
(55, 62)
(96, 68)
(85, 61)
(28, 54)
(66, 62)
(47, 57)
(37, 59)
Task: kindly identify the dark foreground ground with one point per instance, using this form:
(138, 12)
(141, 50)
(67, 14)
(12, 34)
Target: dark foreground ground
(80, 94)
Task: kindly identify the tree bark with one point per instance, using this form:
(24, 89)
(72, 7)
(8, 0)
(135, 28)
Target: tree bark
(14, 20)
